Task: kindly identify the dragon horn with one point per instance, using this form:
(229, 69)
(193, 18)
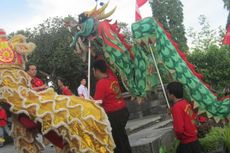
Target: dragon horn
(101, 10)
(91, 12)
(104, 16)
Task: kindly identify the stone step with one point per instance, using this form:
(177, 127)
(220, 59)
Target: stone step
(153, 107)
(150, 139)
(139, 124)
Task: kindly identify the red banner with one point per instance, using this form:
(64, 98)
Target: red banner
(226, 40)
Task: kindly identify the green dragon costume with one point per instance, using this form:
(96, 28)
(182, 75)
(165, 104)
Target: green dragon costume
(135, 64)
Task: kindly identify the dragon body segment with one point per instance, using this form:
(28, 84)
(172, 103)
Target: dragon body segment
(171, 62)
(135, 65)
(82, 124)
(131, 62)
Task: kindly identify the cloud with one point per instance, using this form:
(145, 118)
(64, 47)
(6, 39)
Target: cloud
(50, 8)
(44, 9)
(214, 11)
(40, 10)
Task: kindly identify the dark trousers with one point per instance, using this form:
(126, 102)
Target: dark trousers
(118, 122)
(192, 147)
(52, 136)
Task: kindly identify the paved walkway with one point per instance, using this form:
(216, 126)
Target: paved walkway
(139, 123)
(10, 149)
(142, 128)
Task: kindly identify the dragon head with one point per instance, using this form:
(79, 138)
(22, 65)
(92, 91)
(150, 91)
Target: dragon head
(20, 45)
(85, 28)
(87, 23)
(13, 50)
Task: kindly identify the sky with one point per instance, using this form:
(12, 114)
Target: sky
(20, 14)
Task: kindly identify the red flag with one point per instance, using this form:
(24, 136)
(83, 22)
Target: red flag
(227, 37)
(139, 3)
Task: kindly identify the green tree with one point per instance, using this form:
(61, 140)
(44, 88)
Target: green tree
(210, 57)
(170, 14)
(203, 39)
(53, 54)
(214, 64)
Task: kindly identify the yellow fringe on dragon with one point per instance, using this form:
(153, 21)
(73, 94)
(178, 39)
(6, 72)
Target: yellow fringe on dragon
(81, 123)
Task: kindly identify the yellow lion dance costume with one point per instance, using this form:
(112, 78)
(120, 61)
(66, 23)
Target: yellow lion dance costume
(82, 124)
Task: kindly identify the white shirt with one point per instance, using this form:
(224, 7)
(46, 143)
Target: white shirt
(83, 91)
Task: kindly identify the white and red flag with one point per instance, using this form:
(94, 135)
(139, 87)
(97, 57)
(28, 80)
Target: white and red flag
(226, 40)
(139, 3)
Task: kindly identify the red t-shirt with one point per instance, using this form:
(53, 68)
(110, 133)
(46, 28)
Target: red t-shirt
(66, 91)
(183, 122)
(3, 117)
(36, 82)
(108, 90)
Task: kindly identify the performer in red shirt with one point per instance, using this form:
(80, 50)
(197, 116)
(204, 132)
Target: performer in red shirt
(3, 117)
(64, 89)
(108, 90)
(37, 84)
(109, 71)
(3, 126)
(183, 121)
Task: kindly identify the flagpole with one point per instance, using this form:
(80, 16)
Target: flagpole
(89, 63)
(159, 76)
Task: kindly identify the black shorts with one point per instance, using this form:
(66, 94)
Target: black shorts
(192, 147)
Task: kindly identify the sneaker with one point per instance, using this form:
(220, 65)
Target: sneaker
(2, 140)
